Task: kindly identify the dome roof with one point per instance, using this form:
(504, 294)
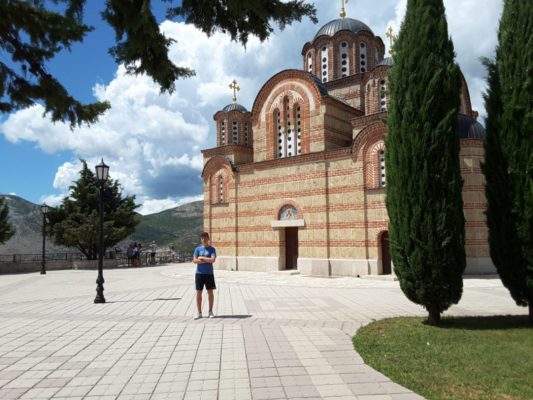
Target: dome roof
(342, 24)
(469, 128)
(235, 107)
(321, 87)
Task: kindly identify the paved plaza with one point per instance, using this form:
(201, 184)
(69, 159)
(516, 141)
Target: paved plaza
(276, 336)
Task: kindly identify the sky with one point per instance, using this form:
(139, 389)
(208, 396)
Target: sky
(153, 142)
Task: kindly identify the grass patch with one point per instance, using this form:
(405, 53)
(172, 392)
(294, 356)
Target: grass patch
(464, 359)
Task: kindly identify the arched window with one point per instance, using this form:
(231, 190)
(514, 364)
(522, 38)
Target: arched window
(289, 127)
(222, 133)
(344, 67)
(382, 176)
(220, 189)
(246, 140)
(280, 134)
(235, 132)
(298, 119)
(310, 62)
(383, 95)
(324, 60)
(362, 57)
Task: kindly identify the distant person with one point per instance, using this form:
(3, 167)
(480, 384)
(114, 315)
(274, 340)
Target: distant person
(172, 254)
(139, 254)
(204, 256)
(153, 248)
(135, 251)
(130, 254)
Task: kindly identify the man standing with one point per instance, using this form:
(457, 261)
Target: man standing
(204, 256)
(153, 249)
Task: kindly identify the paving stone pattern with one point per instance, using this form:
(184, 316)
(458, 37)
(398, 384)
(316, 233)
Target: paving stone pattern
(276, 336)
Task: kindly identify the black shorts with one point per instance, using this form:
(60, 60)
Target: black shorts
(206, 280)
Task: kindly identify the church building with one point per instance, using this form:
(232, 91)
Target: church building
(298, 181)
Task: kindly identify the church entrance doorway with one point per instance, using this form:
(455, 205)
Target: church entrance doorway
(291, 248)
(385, 254)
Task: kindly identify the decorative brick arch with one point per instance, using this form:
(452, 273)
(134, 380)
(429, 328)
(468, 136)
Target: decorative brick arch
(373, 90)
(217, 174)
(288, 202)
(367, 137)
(366, 147)
(373, 165)
(299, 80)
(301, 90)
(214, 164)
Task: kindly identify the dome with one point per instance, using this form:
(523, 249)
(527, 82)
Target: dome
(342, 24)
(235, 107)
(469, 128)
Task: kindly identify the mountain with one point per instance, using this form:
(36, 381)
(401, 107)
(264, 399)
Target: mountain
(180, 226)
(27, 219)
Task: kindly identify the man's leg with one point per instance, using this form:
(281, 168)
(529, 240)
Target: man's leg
(199, 300)
(210, 298)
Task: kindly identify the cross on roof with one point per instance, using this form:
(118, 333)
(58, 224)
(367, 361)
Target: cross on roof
(343, 11)
(233, 85)
(392, 38)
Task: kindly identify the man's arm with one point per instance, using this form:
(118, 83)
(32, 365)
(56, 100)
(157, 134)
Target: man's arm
(195, 258)
(209, 260)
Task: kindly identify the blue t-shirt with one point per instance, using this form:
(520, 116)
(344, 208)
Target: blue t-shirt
(201, 251)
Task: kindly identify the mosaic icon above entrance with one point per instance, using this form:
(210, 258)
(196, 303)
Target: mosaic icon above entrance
(288, 212)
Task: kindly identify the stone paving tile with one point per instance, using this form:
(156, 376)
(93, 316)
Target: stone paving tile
(276, 336)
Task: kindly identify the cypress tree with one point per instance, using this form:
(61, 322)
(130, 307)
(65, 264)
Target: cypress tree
(424, 184)
(508, 166)
(6, 229)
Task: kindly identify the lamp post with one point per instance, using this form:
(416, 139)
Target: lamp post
(102, 172)
(44, 211)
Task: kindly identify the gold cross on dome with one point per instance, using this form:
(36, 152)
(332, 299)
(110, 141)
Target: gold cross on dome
(233, 85)
(343, 11)
(392, 38)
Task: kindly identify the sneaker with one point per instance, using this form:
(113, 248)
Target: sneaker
(198, 315)
(211, 315)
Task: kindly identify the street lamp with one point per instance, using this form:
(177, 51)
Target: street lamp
(44, 211)
(102, 172)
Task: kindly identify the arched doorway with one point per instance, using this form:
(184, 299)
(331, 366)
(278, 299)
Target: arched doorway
(385, 254)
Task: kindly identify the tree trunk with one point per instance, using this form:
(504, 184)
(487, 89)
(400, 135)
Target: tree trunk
(530, 312)
(433, 316)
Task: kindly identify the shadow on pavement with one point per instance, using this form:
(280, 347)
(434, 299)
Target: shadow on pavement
(140, 301)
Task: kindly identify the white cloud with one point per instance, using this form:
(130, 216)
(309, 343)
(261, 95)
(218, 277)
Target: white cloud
(152, 142)
(53, 200)
(154, 206)
(473, 26)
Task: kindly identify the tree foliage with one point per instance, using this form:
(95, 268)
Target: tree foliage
(424, 184)
(508, 166)
(32, 33)
(6, 229)
(75, 223)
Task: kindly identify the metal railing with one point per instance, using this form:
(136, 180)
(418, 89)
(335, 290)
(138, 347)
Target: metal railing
(161, 257)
